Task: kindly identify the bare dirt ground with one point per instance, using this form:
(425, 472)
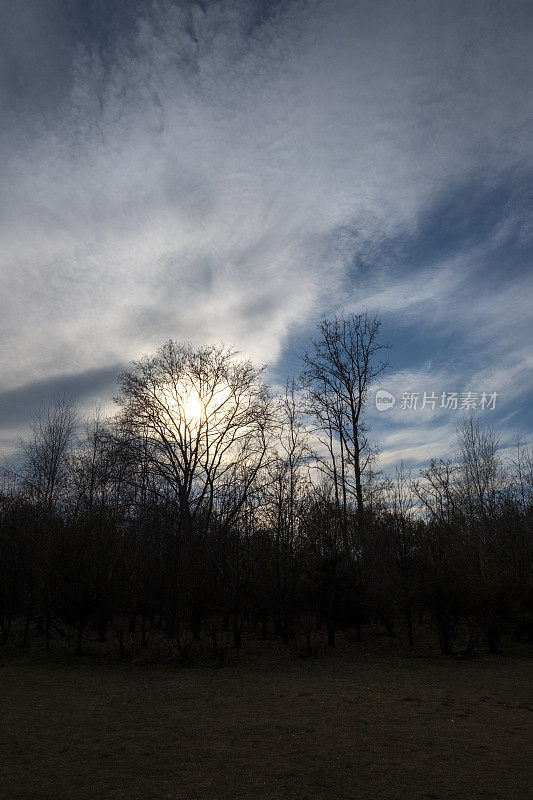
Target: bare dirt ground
(341, 725)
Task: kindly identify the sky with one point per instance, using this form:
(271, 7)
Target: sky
(234, 170)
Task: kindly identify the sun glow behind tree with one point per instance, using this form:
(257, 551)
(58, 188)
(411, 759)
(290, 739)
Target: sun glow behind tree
(202, 418)
(194, 408)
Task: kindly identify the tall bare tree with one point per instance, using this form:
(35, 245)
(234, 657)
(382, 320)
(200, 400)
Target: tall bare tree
(287, 485)
(337, 376)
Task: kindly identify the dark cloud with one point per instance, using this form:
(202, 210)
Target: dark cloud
(18, 406)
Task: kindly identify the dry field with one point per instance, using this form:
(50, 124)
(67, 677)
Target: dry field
(342, 725)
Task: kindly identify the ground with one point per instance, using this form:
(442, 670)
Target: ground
(357, 725)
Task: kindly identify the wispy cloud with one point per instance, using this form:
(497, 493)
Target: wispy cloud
(229, 170)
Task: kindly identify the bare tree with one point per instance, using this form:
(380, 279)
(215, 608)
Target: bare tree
(46, 452)
(481, 478)
(288, 482)
(436, 490)
(199, 413)
(44, 483)
(337, 376)
(201, 421)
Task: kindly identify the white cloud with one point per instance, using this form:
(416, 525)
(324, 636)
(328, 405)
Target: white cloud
(198, 186)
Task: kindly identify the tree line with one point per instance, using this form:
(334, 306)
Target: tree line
(207, 507)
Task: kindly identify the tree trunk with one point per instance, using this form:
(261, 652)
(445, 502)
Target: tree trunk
(409, 618)
(493, 640)
(26, 633)
(101, 629)
(237, 637)
(444, 630)
(47, 630)
(143, 631)
(330, 631)
(389, 625)
(6, 627)
(79, 639)
(196, 628)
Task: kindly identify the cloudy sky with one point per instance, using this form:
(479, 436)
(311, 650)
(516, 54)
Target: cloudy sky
(232, 170)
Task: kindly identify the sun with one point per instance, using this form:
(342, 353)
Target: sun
(191, 411)
(183, 408)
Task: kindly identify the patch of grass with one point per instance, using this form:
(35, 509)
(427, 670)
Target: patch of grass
(264, 727)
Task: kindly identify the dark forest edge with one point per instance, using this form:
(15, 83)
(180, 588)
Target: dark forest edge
(206, 508)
